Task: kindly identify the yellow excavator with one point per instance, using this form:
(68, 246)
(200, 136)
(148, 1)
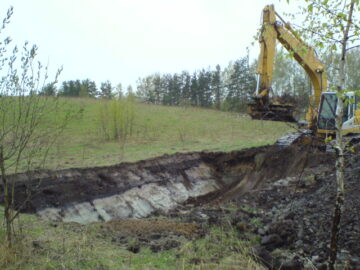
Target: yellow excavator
(320, 116)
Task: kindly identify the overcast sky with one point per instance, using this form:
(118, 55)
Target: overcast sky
(122, 40)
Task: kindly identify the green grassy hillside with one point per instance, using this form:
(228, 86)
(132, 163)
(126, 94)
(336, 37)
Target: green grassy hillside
(157, 130)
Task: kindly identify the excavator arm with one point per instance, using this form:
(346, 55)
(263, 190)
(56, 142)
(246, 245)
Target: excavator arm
(271, 32)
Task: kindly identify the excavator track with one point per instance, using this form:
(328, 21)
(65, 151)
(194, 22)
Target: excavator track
(306, 137)
(289, 138)
(301, 137)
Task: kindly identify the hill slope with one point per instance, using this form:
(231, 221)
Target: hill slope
(157, 130)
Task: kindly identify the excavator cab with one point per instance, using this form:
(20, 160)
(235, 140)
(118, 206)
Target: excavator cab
(327, 113)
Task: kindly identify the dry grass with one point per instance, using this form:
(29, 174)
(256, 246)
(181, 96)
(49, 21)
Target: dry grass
(16, 256)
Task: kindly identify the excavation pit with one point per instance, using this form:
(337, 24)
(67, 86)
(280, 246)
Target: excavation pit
(158, 185)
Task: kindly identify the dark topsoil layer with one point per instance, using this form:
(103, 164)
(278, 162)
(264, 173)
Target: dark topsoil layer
(235, 173)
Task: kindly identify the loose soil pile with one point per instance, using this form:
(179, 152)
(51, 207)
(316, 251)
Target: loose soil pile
(292, 218)
(157, 234)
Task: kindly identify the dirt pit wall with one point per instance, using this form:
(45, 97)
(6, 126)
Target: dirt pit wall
(158, 185)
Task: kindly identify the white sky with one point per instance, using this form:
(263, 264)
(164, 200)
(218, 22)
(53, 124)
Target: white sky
(122, 40)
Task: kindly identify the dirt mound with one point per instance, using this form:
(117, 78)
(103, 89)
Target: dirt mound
(299, 213)
(141, 189)
(139, 226)
(156, 234)
(291, 218)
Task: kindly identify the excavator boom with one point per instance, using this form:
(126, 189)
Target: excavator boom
(272, 31)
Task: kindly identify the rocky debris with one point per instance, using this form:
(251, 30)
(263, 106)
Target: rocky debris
(291, 218)
(296, 216)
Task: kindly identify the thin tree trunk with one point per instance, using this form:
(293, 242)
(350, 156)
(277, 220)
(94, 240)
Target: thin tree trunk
(340, 160)
(7, 200)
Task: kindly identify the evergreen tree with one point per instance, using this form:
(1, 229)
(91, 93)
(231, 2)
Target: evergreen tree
(106, 90)
(217, 87)
(69, 89)
(158, 88)
(175, 89)
(166, 85)
(194, 95)
(119, 91)
(90, 88)
(186, 88)
(204, 88)
(77, 88)
(48, 90)
(241, 85)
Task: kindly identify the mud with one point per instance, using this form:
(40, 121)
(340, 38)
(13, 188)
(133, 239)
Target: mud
(156, 186)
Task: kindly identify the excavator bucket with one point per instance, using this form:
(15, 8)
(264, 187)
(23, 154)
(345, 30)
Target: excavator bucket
(272, 112)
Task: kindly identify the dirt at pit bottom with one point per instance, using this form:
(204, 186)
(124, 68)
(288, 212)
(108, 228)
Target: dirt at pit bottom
(158, 234)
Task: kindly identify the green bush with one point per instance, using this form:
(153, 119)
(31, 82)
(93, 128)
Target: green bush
(115, 119)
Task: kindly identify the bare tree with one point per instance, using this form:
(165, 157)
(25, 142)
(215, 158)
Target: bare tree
(334, 25)
(29, 122)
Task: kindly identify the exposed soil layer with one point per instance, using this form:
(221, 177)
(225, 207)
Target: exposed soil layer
(283, 196)
(144, 188)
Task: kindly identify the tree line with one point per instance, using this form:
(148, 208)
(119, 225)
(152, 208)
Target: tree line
(86, 88)
(228, 89)
(231, 88)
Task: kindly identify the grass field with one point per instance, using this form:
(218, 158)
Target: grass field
(158, 130)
